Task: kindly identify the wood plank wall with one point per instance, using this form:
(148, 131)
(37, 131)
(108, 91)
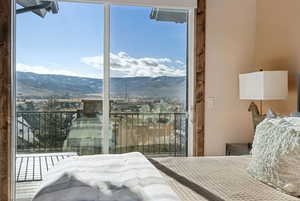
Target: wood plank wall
(5, 99)
(199, 79)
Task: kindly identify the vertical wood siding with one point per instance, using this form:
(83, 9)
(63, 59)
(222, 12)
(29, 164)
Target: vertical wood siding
(5, 99)
(199, 79)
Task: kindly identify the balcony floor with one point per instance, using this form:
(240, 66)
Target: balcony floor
(30, 170)
(26, 190)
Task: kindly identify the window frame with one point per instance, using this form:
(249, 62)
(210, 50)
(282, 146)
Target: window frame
(179, 4)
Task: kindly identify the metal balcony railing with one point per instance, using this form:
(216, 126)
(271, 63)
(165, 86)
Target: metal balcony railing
(149, 133)
(42, 131)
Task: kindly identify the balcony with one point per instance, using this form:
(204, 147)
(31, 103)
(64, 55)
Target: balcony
(155, 134)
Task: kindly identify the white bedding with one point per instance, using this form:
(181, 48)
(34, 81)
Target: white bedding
(124, 177)
(276, 154)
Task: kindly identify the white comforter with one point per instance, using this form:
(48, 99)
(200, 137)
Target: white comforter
(124, 177)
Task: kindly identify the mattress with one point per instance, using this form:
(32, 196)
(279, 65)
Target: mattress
(225, 177)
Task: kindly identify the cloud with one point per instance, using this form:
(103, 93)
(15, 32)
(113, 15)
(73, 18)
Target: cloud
(123, 65)
(47, 70)
(95, 62)
(179, 62)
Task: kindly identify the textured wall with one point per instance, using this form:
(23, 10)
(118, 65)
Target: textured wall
(278, 45)
(5, 112)
(230, 50)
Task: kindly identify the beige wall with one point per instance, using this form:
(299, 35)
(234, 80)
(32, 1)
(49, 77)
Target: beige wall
(278, 44)
(230, 50)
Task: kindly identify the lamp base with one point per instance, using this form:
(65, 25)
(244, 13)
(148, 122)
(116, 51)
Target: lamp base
(257, 117)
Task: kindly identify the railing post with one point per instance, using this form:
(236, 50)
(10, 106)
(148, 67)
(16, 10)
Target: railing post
(175, 132)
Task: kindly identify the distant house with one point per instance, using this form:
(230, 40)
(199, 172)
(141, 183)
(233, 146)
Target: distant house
(25, 133)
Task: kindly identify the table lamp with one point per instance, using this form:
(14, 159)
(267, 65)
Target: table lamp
(260, 86)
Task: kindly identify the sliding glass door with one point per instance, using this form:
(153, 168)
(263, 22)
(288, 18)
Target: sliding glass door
(148, 76)
(99, 78)
(110, 80)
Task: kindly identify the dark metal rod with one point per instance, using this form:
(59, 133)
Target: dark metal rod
(22, 141)
(44, 5)
(41, 174)
(126, 133)
(175, 133)
(39, 142)
(19, 171)
(159, 133)
(132, 132)
(180, 134)
(33, 158)
(26, 168)
(143, 125)
(115, 133)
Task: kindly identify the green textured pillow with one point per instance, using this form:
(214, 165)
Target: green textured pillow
(276, 154)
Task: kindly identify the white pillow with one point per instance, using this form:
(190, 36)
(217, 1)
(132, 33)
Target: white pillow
(276, 154)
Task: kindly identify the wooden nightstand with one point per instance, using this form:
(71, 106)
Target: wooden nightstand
(237, 149)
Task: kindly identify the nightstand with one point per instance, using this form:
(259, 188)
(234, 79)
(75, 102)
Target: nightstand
(237, 149)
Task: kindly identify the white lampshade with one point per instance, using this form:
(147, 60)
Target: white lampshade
(264, 85)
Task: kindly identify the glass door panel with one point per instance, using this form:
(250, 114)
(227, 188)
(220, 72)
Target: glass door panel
(148, 80)
(59, 89)
(59, 80)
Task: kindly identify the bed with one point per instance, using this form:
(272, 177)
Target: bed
(214, 179)
(224, 177)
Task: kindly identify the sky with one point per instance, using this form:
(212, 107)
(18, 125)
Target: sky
(71, 42)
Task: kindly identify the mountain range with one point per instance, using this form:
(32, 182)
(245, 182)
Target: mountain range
(32, 85)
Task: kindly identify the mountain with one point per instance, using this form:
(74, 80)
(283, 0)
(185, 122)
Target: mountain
(31, 85)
